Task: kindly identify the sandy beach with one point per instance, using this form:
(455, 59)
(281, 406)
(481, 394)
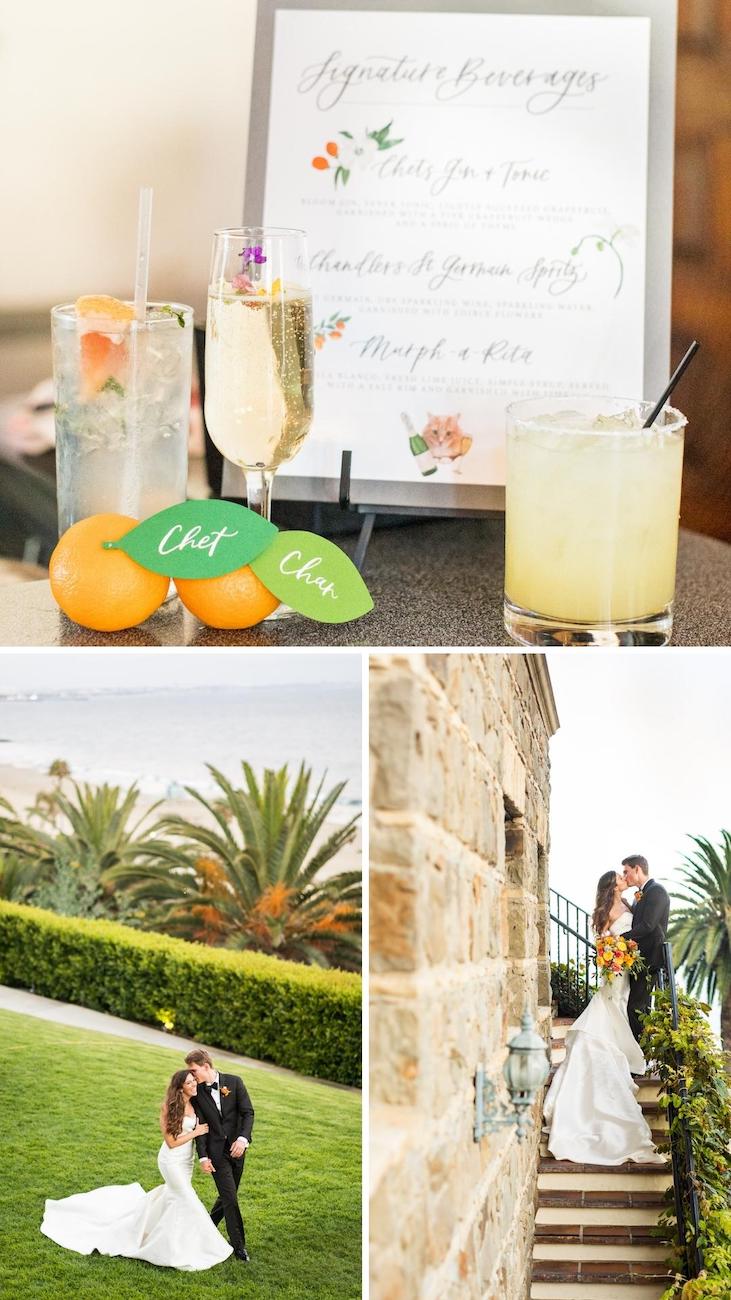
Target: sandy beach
(20, 786)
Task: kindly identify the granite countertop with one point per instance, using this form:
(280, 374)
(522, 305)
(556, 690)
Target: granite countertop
(436, 583)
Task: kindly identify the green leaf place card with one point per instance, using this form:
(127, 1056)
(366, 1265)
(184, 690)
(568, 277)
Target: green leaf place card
(314, 577)
(197, 539)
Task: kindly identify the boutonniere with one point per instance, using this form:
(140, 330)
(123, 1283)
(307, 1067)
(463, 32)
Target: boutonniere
(225, 1092)
(639, 893)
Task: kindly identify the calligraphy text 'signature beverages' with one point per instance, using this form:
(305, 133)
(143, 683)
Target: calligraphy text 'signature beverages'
(122, 411)
(259, 375)
(592, 506)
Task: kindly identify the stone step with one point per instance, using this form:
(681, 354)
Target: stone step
(558, 1054)
(616, 1272)
(648, 1084)
(593, 1252)
(579, 1217)
(596, 1291)
(600, 1198)
(614, 1201)
(548, 1165)
(641, 1178)
(560, 1025)
(615, 1236)
(652, 1110)
(658, 1135)
(644, 1080)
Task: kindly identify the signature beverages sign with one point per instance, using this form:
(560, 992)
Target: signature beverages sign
(474, 191)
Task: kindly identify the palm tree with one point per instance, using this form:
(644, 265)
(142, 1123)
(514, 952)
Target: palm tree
(18, 879)
(72, 837)
(701, 931)
(251, 878)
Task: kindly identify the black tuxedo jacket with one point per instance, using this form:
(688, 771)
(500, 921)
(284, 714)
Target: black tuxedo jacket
(236, 1118)
(650, 923)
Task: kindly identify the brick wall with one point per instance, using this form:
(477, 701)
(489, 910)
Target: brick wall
(458, 944)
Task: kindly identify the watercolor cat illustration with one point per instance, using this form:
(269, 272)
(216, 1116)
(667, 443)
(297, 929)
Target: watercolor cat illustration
(445, 438)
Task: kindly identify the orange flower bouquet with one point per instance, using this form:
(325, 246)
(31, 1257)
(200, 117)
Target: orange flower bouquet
(615, 955)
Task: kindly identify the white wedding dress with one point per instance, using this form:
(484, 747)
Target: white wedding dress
(168, 1226)
(591, 1110)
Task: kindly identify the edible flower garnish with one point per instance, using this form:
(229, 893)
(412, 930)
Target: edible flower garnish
(242, 284)
(253, 253)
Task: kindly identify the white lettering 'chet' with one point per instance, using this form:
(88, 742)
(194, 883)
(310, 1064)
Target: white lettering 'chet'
(191, 541)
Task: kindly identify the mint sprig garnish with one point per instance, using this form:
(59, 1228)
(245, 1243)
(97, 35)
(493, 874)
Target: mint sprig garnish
(112, 385)
(170, 311)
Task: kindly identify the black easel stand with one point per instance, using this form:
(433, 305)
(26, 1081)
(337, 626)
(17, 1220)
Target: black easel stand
(369, 515)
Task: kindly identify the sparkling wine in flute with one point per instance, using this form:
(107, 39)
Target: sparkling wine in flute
(259, 353)
(258, 376)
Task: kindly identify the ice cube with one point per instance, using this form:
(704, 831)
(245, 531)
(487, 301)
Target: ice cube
(559, 420)
(617, 423)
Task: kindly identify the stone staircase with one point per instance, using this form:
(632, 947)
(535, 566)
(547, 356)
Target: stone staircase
(592, 1237)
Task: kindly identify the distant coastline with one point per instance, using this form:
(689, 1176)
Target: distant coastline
(162, 738)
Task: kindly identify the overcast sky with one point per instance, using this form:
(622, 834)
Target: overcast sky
(58, 669)
(642, 758)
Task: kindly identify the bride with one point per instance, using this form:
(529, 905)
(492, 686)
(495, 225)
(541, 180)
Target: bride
(591, 1109)
(168, 1226)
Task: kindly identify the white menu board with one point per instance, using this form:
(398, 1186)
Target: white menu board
(474, 190)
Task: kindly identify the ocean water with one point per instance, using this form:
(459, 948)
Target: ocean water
(162, 739)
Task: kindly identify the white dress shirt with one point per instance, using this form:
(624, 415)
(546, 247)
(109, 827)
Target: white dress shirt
(215, 1093)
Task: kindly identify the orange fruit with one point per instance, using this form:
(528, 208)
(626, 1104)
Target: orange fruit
(235, 600)
(103, 590)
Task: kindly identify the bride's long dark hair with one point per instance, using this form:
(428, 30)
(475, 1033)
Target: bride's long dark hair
(173, 1107)
(604, 901)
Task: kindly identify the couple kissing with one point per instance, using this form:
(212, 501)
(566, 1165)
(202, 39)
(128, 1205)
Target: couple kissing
(591, 1110)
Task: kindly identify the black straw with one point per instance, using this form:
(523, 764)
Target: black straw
(677, 374)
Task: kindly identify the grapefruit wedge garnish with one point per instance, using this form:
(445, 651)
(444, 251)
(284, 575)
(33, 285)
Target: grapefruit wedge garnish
(103, 364)
(103, 353)
(102, 309)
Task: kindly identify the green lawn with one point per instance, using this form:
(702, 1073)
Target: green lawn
(80, 1110)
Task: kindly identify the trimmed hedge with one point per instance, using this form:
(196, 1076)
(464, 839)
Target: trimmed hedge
(302, 1017)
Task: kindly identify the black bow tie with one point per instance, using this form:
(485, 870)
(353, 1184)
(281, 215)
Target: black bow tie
(211, 1086)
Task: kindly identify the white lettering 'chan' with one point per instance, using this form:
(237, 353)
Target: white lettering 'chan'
(192, 541)
(304, 573)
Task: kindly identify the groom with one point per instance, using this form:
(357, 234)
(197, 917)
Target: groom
(223, 1103)
(650, 914)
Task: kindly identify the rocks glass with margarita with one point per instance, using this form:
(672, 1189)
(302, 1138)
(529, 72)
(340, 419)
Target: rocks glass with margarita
(259, 353)
(591, 520)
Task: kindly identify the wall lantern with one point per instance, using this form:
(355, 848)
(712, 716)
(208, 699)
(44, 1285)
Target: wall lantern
(525, 1071)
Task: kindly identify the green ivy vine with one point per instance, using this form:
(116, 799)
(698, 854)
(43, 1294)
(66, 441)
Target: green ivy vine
(707, 1110)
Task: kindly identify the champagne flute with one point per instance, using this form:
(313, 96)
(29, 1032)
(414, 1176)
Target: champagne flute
(259, 353)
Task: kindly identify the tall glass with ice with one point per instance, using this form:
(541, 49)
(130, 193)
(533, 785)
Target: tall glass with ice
(591, 521)
(122, 407)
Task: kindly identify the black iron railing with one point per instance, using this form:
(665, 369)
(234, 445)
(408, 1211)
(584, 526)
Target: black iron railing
(681, 1147)
(572, 947)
